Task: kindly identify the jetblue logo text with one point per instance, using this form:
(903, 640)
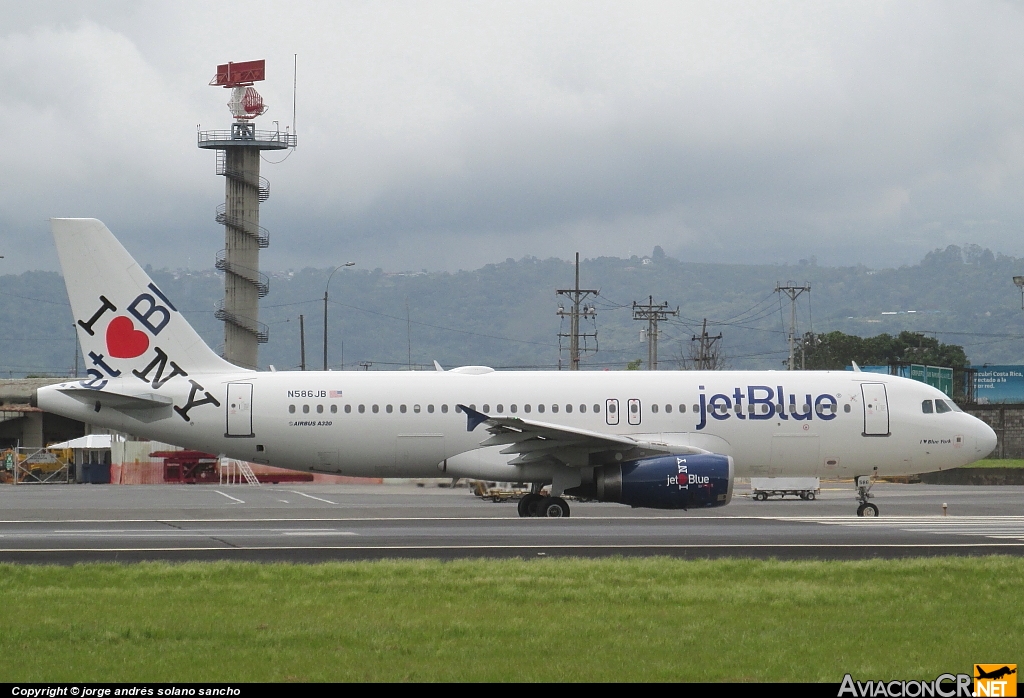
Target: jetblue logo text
(763, 403)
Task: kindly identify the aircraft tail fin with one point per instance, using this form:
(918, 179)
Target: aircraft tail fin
(125, 322)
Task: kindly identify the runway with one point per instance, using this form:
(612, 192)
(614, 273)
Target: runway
(68, 524)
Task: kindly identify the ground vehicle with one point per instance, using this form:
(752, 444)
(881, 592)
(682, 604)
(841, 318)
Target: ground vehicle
(803, 487)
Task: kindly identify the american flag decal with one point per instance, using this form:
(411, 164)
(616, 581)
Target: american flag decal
(335, 393)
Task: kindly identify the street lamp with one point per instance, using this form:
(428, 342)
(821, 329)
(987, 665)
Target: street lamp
(1019, 280)
(346, 264)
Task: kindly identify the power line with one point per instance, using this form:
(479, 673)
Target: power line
(652, 313)
(576, 297)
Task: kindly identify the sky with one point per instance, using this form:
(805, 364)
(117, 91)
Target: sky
(445, 135)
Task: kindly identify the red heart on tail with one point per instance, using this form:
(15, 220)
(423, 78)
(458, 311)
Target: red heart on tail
(123, 340)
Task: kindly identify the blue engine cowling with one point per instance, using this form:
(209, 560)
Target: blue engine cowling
(664, 482)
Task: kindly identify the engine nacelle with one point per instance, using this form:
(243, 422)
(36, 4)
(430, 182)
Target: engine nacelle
(664, 482)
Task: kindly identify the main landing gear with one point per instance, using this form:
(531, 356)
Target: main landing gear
(866, 508)
(534, 504)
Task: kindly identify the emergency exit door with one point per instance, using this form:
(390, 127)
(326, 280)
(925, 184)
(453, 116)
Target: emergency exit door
(239, 409)
(876, 409)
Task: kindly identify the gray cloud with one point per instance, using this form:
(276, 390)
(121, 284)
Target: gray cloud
(449, 135)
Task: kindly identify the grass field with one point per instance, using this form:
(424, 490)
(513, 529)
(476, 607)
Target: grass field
(997, 463)
(651, 619)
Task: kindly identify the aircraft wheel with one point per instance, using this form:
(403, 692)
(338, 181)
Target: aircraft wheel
(528, 505)
(554, 508)
(868, 510)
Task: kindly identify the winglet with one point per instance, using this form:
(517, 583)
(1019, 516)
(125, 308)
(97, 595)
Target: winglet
(437, 366)
(473, 418)
(856, 368)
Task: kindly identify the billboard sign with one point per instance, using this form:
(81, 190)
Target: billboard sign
(1000, 384)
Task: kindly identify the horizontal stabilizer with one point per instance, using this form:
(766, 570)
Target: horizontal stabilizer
(122, 402)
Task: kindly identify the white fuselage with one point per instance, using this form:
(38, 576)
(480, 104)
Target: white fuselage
(405, 424)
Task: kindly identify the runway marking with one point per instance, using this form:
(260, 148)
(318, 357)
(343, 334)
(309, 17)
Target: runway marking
(847, 519)
(318, 533)
(312, 497)
(229, 496)
(569, 546)
(1004, 527)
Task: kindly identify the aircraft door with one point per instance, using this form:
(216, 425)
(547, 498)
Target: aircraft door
(876, 409)
(634, 412)
(611, 411)
(239, 410)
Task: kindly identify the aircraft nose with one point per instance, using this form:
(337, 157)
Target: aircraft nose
(986, 438)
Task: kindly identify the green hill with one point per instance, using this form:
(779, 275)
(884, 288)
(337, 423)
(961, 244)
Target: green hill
(503, 314)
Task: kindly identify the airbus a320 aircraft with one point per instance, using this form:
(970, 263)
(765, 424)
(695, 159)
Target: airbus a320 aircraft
(670, 440)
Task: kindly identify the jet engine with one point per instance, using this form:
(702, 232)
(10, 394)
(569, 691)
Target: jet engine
(664, 482)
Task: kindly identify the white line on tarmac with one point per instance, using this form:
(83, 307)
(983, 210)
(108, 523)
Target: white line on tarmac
(881, 521)
(312, 497)
(580, 546)
(230, 497)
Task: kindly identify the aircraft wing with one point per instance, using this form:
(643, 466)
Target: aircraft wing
(532, 441)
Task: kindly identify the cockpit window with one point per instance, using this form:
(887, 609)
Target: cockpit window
(926, 406)
(941, 406)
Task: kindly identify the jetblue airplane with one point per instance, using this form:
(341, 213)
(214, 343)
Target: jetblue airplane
(670, 440)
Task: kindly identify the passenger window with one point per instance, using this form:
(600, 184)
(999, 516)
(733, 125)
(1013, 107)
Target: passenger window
(654, 408)
(472, 406)
(696, 408)
(389, 409)
(362, 409)
(375, 409)
(554, 408)
(305, 409)
(291, 409)
(682, 409)
(334, 409)
(846, 408)
(597, 409)
(319, 409)
(402, 409)
(526, 408)
(512, 409)
(568, 408)
(348, 409)
(611, 407)
(500, 408)
(668, 409)
(634, 407)
(444, 409)
(458, 409)
(416, 409)
(487, 408)
(583, 408)
(540, 408)
(926, 406)
(941, 407)
(430, 409)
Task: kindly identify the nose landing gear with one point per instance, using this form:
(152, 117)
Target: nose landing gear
(866, 508)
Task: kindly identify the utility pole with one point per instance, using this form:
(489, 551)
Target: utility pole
(653, 314)
(302, 342)
(575, 313)
(706, 358)
(793, 292)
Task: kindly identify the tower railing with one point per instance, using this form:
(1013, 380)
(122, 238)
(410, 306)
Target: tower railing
(241, 133)
(261, 234)
(257, 278)
(263, 185)
(255, 327)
